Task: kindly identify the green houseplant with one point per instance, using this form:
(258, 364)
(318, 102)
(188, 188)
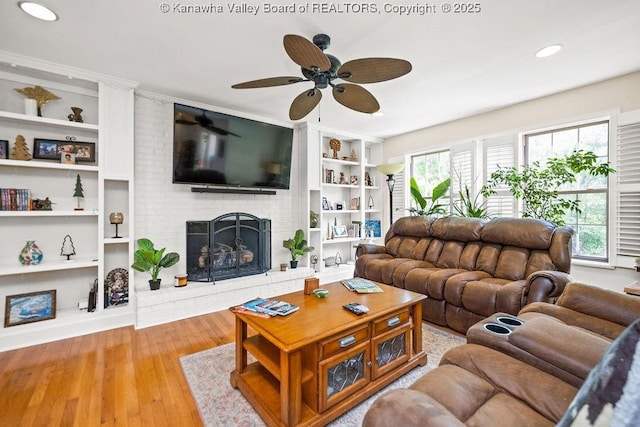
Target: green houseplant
(426, 208)
(148, 259)
(538, 186)
(297, 246)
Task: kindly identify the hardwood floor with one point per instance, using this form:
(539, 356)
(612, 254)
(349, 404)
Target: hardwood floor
(122, 377)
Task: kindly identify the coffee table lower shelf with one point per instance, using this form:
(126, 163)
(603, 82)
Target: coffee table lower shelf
(257, 381)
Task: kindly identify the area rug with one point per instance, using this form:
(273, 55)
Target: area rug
(207, 373)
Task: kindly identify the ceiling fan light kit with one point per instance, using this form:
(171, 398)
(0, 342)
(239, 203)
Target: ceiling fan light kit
(323, 69)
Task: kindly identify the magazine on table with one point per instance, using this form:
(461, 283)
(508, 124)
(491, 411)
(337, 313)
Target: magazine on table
(361, 286)
(270, 306)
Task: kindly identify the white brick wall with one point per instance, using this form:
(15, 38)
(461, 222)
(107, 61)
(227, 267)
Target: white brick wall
(162, 208)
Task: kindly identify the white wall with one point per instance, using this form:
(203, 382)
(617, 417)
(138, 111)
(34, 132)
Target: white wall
(619, 94)
(162, 208)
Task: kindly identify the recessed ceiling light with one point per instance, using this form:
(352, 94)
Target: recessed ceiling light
(38, 11)
(378, 114)
(549, 50)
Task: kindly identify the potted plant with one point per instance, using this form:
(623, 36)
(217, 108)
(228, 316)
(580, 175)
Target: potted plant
(148, 259)
(297, 246)
(433, 208)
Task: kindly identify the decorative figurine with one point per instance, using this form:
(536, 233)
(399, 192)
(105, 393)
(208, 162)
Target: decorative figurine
(41, 205)
(116, 218)
(343, 179)
(76, 115)
(67, 248)
(20, 149)
(40, 94)
(334, 144)
(78, 193)
(354, 156)
(367, 180)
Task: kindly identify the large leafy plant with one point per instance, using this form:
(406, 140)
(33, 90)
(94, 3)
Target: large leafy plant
(147, 259)
(538, 186)
(297, 246)
(431, 207)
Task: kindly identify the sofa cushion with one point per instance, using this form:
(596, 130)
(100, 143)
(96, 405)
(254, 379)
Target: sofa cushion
(611, 392)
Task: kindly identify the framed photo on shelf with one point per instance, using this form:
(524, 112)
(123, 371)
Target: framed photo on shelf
(68, 158)
(51, 149)
(4, 149)
(372, 227)
(30, 307)
(325, 204)
(339, 231)
(355, 203)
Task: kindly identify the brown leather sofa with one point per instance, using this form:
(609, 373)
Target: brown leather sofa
(471, 268)
(498, 381)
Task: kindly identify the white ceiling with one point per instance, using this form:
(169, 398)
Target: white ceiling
(463, 64)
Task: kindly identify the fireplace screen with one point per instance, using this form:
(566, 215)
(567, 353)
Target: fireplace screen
(232, 245)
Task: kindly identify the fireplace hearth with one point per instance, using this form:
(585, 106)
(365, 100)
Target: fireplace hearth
(231, 245)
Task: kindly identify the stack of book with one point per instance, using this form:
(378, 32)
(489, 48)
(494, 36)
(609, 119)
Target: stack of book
(15, 199)
(361, 286)
(265, 307)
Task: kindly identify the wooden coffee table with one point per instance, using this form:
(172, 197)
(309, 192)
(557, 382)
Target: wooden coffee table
(315, 364)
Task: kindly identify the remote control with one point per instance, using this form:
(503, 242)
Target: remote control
(356, 308)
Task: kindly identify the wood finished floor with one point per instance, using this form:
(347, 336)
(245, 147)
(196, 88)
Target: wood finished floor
(122, 377)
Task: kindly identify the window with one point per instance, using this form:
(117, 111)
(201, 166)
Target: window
(590, 226)
(429, 170)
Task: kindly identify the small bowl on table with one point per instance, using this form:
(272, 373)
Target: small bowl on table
(321, 293)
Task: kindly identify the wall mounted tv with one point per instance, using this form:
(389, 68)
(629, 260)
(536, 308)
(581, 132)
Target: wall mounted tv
(226, 153)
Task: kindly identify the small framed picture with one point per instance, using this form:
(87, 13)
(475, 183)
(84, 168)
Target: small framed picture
(52, 149)
(339, 231)
(85, 151)
(68, 158)
(30, 307)
(4, 149)
(339, 206)
(325, 204)
(354, 180)
(355, 203)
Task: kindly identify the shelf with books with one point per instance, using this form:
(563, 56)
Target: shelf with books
(104, 100)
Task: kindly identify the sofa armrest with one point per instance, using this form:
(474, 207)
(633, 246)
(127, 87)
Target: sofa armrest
(406, 407)
(370, 248)
(546, 285)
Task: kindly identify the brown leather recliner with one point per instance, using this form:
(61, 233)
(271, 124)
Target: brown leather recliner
(471, 268)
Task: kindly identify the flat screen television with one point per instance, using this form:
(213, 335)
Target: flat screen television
(216, 149)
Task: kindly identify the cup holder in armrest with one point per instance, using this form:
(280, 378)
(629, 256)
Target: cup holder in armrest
(494, 328)
(510, 322)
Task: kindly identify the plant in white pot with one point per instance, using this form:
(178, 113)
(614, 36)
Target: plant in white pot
(148, 259)
(297, 246)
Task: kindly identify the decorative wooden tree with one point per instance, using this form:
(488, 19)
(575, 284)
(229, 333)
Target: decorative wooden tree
(78, 192)
(20, 149)
(67, 248)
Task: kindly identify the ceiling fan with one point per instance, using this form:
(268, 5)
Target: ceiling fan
(323, 69)
(203, 121)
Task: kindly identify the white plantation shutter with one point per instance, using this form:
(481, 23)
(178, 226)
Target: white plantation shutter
(463, 171)
(500, 152)
(399, 195)
(628, 176)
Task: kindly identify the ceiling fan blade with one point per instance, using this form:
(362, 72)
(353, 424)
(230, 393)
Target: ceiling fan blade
(304, 103)
(373, 70)
(272, 81)
(304, 53)
(355, 97)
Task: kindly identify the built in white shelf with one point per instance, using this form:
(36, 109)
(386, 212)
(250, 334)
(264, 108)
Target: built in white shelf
(115, 241)
(339, 211)
(324, 184)
(47, 121)
(340, 161)
(47, 165)
(23, 214)
(343, 240)
(47, 265)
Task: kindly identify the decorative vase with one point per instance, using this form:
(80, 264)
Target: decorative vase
(313, 219)
(154, 284)
(76, 115)
(30, 254)
(30, 107)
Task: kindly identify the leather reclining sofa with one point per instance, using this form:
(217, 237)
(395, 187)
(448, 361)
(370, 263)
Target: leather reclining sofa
(471, 268)
(575, 360)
